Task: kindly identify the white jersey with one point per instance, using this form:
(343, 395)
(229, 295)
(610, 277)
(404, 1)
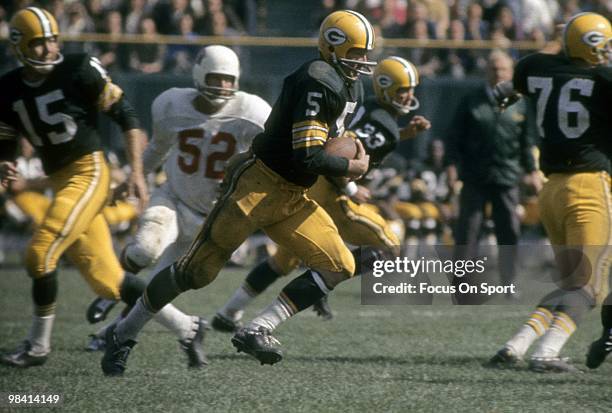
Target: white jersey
(196, 146)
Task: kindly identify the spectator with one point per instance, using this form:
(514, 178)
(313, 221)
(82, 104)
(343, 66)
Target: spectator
(476, 28)
(179, 58)
(134, 16)
(425, 60)
(491, 150)
(540, 15)
(148, 58)
(77, 21)
(97, 14)
(456, 62)
(113, 56)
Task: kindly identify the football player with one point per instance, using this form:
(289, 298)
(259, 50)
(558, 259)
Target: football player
(601, 347)
(195, 131)
(267, 190)
(377, 128)
(572, 92)
(53, 100)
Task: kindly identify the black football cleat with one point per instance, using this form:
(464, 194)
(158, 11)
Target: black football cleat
(23, 357)
(259, 343)
(598, 350)
(99, 309)
(95, 343)
(552, 365)
(114, 361)
(194, 348)
(503, 359)
(323, 309)
(224, 324)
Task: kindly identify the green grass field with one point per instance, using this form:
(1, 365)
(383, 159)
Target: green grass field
(368, 359)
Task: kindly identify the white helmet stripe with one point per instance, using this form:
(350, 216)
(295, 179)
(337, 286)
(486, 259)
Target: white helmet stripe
(413, 75)
(368, 27)
(44, 21)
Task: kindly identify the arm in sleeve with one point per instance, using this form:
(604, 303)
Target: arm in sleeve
(528, 139)
(315, 113)
(8, 142)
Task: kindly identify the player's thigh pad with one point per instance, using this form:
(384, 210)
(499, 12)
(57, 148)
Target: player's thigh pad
(81, 191)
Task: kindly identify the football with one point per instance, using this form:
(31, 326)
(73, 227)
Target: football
(341, 146)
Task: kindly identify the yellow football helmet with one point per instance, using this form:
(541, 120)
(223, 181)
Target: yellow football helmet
(392, 74)
(340, 32)
(588, 36)
(29, 24)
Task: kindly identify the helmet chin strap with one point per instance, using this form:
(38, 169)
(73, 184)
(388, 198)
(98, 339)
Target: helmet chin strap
(412, 105)
(40, 65)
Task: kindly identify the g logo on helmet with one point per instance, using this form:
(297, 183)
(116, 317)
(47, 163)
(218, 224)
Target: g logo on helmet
(384, 81)
(335, 36)
(593, 38)
(15, 36)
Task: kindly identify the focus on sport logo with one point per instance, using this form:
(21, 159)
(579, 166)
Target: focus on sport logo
(593, 38)
(335, 36)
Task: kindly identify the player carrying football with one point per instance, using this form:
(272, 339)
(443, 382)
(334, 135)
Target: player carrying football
(394, 81)
(267, 191)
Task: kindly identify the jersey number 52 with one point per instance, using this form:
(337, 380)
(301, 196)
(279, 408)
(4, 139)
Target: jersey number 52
(191, 163)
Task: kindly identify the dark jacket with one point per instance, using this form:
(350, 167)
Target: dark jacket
(489, 146)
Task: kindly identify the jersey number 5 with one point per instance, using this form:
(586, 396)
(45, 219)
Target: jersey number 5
(566, 105)
(191, 164)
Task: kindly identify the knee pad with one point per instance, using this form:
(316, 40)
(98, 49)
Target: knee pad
(132, 288)
(157, 231)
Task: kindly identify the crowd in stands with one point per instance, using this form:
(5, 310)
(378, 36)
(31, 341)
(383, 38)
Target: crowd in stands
(501, 20)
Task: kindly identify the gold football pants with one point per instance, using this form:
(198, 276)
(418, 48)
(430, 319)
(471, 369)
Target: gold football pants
(74, 224)
(358, 224)
(577, 213)
(254, 198)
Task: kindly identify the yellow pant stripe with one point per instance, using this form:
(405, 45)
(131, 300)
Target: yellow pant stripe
(78, 208)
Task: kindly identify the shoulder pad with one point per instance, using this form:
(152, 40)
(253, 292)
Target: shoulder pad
(325, 74)
(249, 107)
(171, 103)
(385, 120)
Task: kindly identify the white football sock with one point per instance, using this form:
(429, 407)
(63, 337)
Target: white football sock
(272, 316)
(40, 334)
(522, 340)
(181, 324)
(552, 342)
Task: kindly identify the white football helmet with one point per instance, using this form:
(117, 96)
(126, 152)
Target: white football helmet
(219, 60)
